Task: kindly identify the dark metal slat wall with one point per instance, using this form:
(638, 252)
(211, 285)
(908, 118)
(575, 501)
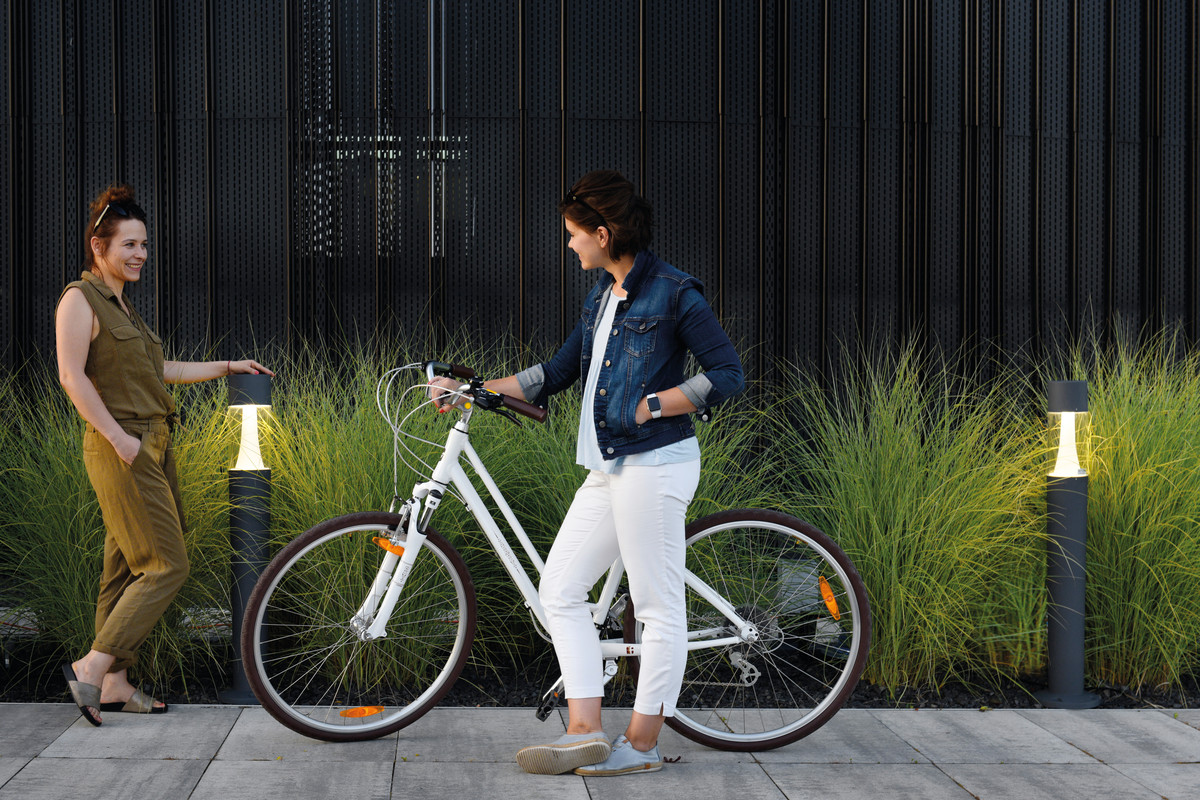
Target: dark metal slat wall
(1014, 172)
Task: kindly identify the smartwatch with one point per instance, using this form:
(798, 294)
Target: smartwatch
(654, 405)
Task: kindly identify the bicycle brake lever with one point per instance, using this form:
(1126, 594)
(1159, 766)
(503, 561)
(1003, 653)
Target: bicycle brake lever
(508, 415)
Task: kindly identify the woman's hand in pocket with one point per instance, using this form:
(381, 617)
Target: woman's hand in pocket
(127, 448)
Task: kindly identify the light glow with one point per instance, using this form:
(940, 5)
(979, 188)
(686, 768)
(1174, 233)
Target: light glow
(249, 454)
(1066, 465)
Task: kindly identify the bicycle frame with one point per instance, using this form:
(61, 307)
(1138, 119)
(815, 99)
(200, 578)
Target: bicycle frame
(372, 618)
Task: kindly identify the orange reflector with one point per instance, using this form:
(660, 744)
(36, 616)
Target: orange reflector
(361, 711)
(391, 548)
(830, 600)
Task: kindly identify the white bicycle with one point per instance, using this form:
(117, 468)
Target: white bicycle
(361, 624)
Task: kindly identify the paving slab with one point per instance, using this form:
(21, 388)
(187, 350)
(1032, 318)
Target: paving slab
(104, 779)
(289, 780)
(967, 736)
(1165, 780)
(483, 780)
(28, 728)
(670, 743)
(744, 781)
(465, 735)
(853, 736)
(185, 732)
(856, 781)
(1190, 716)
(257, 736)
(10, 767)
(1038, 781)
(1131, 736)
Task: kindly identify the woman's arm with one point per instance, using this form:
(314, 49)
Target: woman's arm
(509, 386)
(722, 377)
(674, 402)
(196, 371)
(73, 339)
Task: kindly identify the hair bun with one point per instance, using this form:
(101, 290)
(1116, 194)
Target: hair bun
(119, 193)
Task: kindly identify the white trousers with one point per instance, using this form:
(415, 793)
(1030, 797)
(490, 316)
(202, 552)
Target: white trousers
(637, 513)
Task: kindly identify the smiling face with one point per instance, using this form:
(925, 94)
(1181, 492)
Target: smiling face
(126, 254)
(586, 245)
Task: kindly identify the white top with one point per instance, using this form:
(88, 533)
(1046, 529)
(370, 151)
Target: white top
(587, 451)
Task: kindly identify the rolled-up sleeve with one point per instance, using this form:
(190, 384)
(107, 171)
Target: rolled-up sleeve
(702, 334)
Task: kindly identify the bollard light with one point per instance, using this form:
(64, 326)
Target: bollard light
(1066, 547)
(249, 516)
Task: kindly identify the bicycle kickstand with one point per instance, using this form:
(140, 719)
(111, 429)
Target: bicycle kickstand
(550, 700)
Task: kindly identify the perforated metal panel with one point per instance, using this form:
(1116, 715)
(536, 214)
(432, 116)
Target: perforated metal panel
(882, 218)
(748, 314)
(682, 152)
(843, 271)
(545, 316)
(313, 169)
(41, 220)
(1126, 182)
(481, 158)
(1017, 298)
(1174, 223)
(8, 251)
(805, 189)
(1055, 186)
(1092, 169)
(404, 191)
(946, 298)
(191, 301)
(248, 204)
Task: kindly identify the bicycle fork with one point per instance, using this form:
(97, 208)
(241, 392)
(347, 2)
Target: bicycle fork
(370, 621)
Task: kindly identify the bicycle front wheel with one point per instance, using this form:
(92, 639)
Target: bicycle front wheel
(305, 658)
(804, 644)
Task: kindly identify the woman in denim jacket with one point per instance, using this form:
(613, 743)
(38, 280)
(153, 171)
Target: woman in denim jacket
(638, 443)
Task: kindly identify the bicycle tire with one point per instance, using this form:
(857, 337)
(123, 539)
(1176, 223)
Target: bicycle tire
(776, 571)
(313, 674)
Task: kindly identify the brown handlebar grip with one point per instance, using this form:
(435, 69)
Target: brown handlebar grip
(535, 413)
(459, 371)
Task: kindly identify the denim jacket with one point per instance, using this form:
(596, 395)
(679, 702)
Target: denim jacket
(662, 318)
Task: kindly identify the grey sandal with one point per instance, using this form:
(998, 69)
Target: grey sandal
(140, 703)
(86, 695)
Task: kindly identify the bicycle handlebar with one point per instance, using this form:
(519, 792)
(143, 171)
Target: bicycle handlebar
(535, 413)
(454, 370)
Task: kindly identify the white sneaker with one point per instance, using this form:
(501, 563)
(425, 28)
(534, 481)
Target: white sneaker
(624, 760)
(568, 752)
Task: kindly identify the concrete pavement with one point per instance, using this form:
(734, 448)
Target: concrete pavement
(223, 752)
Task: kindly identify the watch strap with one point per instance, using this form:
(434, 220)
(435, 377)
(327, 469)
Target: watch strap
(654, 404)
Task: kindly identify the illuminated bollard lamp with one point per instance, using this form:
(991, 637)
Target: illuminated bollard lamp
(1066, 548)
(249, 517)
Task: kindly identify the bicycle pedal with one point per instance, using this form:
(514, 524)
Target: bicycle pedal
(547, 706)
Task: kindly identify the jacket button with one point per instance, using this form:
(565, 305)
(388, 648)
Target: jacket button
(603, 392)
(607, 363)
(643, 326)
(602, 424)
(610, 451)
(615, 331)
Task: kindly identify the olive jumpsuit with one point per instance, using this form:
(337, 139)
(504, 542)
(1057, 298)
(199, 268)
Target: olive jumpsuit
(145, 560)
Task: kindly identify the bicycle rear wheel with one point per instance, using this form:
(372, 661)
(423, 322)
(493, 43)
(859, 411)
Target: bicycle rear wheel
(810, 631)
(309, 667)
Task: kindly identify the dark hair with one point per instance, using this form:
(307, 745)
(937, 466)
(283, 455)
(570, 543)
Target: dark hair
(604, 198)
(106, 212)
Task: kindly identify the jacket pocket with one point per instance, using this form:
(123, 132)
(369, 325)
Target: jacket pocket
(640, 336)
